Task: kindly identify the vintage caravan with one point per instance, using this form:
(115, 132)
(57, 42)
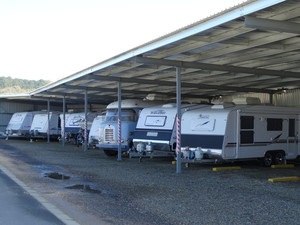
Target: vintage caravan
(75, 124)
(94, 134)
(242, 132)
(108, 130)
(41, 124)
(156, 128)
(19, 124)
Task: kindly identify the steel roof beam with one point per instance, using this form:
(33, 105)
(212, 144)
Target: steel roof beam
(80, 97)
(170, 83)
(215, 67)
(132, 91)
(58, 95)
(67, 95)
(43, 98)
(274, 25)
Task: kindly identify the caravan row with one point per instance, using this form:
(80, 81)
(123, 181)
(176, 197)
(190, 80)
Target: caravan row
(37, 124)
(102, 129)
(240, 130)
(27, 124)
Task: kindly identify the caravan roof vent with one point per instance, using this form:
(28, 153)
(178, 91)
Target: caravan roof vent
(222, 106)
(247, 101)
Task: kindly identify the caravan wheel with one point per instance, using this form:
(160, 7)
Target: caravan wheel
(279, 158)
(268, 159)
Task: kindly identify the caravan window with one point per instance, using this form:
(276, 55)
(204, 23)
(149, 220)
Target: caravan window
(126, 115)
(247, 137)
(292, 128)
(274, 124)
(247, 126)
(155, 121)
(247, 122)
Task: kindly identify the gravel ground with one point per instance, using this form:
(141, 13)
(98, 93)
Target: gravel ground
(150, 192)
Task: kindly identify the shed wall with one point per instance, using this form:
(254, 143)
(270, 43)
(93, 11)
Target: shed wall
(12, 107)
(289, 98)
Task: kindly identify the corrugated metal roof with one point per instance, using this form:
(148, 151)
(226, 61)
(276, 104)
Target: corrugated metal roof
(250, 48)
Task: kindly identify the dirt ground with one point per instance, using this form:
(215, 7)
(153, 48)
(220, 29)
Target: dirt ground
(95, 189)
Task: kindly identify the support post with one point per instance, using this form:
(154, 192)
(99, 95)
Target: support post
(48, 112)
(178, 119)
(119, 120)
(85, 137)
(63, 133)
(271, 99)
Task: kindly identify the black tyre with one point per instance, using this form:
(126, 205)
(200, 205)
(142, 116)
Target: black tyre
(268, 159)
(110, 152)
(279, 158)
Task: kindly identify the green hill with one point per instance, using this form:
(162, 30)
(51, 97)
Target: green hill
(10, 85)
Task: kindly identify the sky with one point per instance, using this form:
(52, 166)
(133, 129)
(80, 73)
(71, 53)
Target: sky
(52, 39)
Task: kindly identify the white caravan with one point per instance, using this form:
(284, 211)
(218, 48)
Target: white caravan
(108, 130)
(156, 127)
(238, 132)
(75, 124)
(90, 119)
(19, 124)
(94, 134)
(40, 125)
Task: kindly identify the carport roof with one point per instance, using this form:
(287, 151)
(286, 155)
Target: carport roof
(253, 47)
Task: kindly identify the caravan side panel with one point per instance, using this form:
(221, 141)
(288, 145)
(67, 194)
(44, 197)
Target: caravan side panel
(272, 131)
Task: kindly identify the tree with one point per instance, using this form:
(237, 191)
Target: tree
(9, 85)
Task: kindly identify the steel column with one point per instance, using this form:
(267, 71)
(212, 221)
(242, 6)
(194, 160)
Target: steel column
(48, 112)
(63, 122)
(119, 120)
(85, 137)
(178, 119)
(271, 98)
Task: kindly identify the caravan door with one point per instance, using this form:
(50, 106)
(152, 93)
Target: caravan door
(292, 139)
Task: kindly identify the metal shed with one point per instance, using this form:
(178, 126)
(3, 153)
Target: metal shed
(252, 48)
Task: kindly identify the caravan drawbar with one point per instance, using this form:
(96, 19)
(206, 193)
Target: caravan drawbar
(232, 132)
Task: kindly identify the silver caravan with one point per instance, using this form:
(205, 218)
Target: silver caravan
(108, 140)
(242, 131)
(40, 125)
(19, 124)
(94, 134)
(156, 127)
